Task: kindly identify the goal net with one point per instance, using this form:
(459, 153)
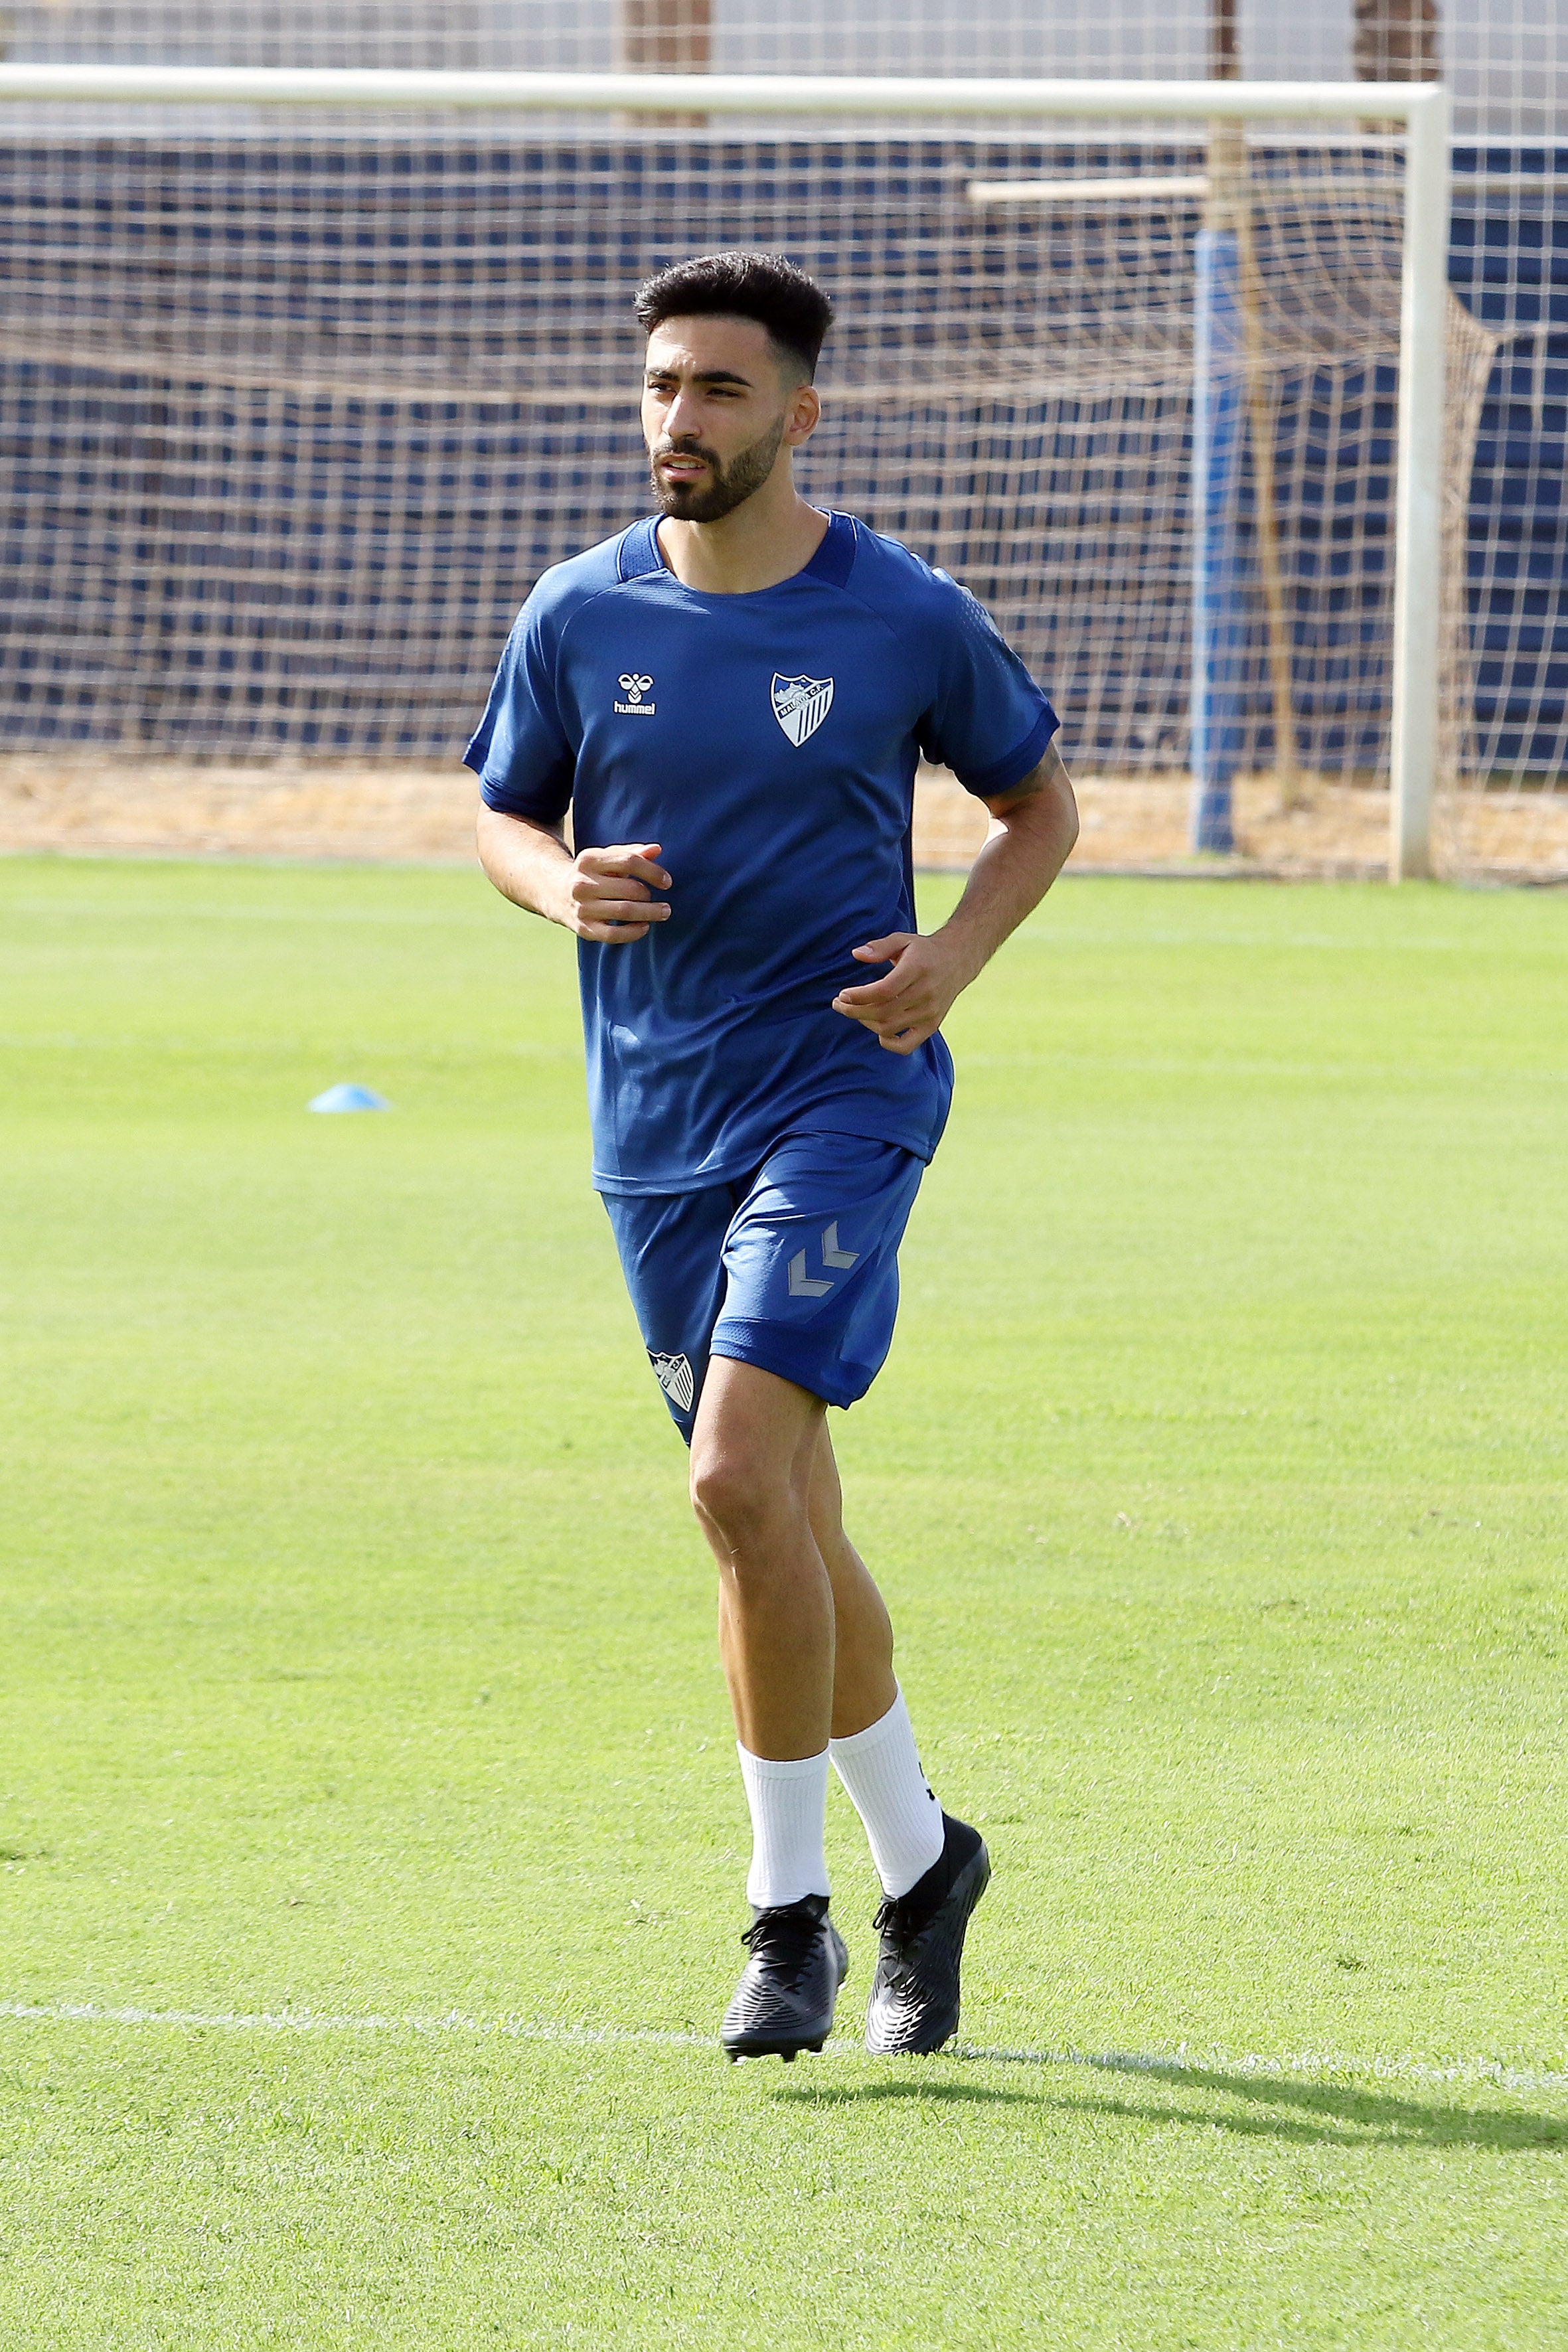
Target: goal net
(298, 405)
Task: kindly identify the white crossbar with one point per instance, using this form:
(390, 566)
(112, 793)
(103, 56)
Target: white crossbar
(1422, 107)
(1139, 188)
(400, 85)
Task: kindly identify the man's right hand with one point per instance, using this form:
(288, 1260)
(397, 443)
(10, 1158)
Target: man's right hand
(608, 895)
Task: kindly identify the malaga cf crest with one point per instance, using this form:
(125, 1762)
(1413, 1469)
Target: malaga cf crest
(800, 704)
(673, 1374)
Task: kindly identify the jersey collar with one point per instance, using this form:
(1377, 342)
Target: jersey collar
(832, 563)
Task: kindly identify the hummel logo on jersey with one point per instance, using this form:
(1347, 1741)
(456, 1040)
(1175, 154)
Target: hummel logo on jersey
(673, 1374)
(800, 704)
(634, 688)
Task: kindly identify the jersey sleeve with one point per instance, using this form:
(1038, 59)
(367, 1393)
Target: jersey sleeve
(987, 720)
(521, 751)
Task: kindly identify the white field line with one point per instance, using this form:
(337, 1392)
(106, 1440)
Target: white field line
(1474, 2073)
(307, 2021)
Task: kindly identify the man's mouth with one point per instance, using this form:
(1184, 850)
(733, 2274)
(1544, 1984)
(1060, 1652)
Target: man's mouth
(679, 464)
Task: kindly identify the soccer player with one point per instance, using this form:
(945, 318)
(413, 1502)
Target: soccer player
(732, 698)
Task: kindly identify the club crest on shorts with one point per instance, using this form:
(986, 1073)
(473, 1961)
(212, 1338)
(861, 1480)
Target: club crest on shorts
(673, 1374)
(800, 704)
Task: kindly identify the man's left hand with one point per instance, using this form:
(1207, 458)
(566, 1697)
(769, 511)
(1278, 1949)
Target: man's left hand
(910, 1003)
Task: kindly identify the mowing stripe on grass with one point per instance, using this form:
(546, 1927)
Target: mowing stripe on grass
(1476, 2071)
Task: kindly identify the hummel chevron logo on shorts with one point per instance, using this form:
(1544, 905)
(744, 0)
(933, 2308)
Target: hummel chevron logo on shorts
(800, 1285)
(673, 1374)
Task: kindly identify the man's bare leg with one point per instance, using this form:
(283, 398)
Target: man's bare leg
(765, 1486)
(934, 1870)
(805, 1639)
(863, 1685)
(753, 1451)
(808, 1648)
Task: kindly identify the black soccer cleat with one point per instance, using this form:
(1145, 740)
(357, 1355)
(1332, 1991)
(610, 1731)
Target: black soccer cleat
(784, 2001)
(914, 1994)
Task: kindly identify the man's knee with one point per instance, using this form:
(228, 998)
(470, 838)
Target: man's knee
(742, 1502)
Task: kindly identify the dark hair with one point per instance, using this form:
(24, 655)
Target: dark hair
(766, 286)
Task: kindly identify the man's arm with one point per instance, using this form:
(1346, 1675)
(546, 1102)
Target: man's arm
(600, 894)
(1006, 882)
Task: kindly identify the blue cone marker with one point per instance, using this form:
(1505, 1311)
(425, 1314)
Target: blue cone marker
(351, 1098)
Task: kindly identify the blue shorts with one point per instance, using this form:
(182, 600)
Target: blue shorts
(795, 1270)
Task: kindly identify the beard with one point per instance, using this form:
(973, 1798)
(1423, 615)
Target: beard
(726, 486)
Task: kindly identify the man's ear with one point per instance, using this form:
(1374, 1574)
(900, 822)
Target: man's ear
(803, 415)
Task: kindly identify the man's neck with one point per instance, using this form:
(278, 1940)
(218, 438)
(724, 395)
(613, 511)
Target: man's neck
(757, 545)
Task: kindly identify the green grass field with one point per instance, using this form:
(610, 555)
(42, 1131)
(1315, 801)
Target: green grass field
(360, 1705)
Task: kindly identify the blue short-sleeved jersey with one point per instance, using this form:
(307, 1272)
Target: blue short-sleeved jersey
(769, 743)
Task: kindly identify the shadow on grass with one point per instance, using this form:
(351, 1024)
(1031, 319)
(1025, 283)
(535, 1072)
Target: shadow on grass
(1330, 2113)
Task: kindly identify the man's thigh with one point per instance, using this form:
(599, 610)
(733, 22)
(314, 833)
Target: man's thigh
(797, 1272)
(811, 1258)
(671, 1248)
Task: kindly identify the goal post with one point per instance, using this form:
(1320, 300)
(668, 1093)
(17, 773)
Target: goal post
(382, 96)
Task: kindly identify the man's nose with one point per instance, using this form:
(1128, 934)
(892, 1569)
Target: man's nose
(681, 417)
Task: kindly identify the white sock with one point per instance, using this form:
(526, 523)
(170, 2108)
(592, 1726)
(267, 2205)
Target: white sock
(788, 1802)
(882, 1771)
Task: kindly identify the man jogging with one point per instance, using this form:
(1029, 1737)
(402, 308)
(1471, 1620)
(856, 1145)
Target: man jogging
(731, 697)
